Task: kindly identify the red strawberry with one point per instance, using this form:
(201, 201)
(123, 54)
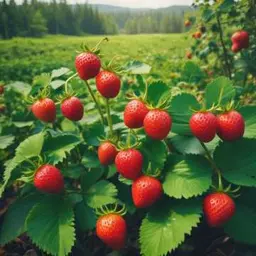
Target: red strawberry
(189, 55)
(198, 35)
(235, 48)
(72, 108)
(44, 110)
(203, 125)
(129, 163)
(108, 84)
(218, 209)
(146, 191)
(49, 179)
(1, 89)
(107, 153)
(111, 229)
(134, 114)
(187, 23)
(241, 38)
(87, 65)
(230, 126)
(157, 124)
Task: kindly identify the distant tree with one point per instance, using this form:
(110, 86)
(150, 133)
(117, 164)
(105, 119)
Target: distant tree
(38, 25)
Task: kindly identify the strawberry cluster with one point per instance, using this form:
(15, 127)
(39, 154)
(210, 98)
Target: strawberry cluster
(240, 40)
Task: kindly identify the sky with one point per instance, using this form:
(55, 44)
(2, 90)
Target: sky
(141, 3)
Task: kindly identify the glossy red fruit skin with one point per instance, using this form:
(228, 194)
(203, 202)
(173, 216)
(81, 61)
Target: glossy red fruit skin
(112, 230)
(87, 65)
(108, 84)
(241, 38)
(1, 89)
(49, 179)
(129, 163)
(146, 191)
(107, 153)
(236, 48)
(203, 125)
(157, 124)
(44, 110)
(134, 114)
(218, 209)
(72, 108)
(230, 126)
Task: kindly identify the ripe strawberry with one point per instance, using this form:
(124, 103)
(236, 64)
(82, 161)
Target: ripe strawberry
(146, 191)
(49, 179)
(1, 89)
(87, 65)
(187, 23)
(108, 84)
(72, 108)
(241, 38)
(218, 209)
(111, 229)
(44, 110)
(134, 114)
(129, 163)
(236, 48)
(189, 55)
(198, 35)
(230, 126)
(203, 125)
(157, 124)
(107, 153)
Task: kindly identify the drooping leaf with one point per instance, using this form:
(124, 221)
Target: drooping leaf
(156, 92)
(137, 68)
(50, 225)
(248, 113)
(59, 72)
(23, 124)
(165, 226)
(237, 161)
(181, 110)
(85, 217)
(56, 148)
(57, 84)
(100, 194)
(6, 141)
(14, 220)
(20, 87)
(220, 91)
(187, 176)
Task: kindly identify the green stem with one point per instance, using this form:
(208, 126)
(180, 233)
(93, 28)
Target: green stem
(214, 166)
(68, 80)
(224, 47)
(109, 119)
(128, 141)
(95, 101)
(146, 92)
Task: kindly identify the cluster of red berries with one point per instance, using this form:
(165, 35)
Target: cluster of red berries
(240, 40)
(228, 126)
(2, 107)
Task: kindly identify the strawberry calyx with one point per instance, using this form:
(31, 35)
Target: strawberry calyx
(111, 209)
(132, 141)
(114, 68)
(155, 174)
(111, 139)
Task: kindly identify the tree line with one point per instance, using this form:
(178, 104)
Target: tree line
(37, 18)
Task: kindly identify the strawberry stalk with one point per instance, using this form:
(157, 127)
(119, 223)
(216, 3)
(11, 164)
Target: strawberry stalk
(95, 101)
(109, 119)
(68, 80)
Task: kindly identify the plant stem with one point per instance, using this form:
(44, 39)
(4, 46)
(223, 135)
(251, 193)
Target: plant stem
(128, 140)
(95, 101)
(214, 166)
(66, 83)
(224, 47)
(109, 119)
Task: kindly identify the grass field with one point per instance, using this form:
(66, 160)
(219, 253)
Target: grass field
(23, 58)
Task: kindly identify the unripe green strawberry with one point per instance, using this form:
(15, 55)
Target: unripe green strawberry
(111, 229)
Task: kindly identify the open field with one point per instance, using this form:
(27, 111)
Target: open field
(22, 58)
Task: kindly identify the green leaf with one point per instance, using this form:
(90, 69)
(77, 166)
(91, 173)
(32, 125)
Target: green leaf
(90, 178)
(165, 226)
(181, 111)
(50, 225)
(57, 84)
(23, 124)
(57, 148)
(59, 72)
(192, 73)
(85, 217)
(237, 161)
(248, 113)
(90, 159)
(187, 176)
(73, 171)
(220, 91)
(6, 141)
(100, 194)
(14, 220)
(207, 14)
(137, 68)
(68, 126)
(156, 92)
(20, 87)
(30, 147)
(92, 133)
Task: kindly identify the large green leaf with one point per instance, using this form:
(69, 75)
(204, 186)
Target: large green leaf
(192, 73)
(100, 194)
(248, 113)
(136, 67)
(156, 91)
(50, 225)
(237, 161)
(92, 133)
(220, 91)
(181, 109)
(56, 148)
(30, 147)
(59, 72)
(90, 178)
(165, 227)
(90, 159)
(85, 217)
(20, 87)
(6, 141)
(14, 220)
(187, 176)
